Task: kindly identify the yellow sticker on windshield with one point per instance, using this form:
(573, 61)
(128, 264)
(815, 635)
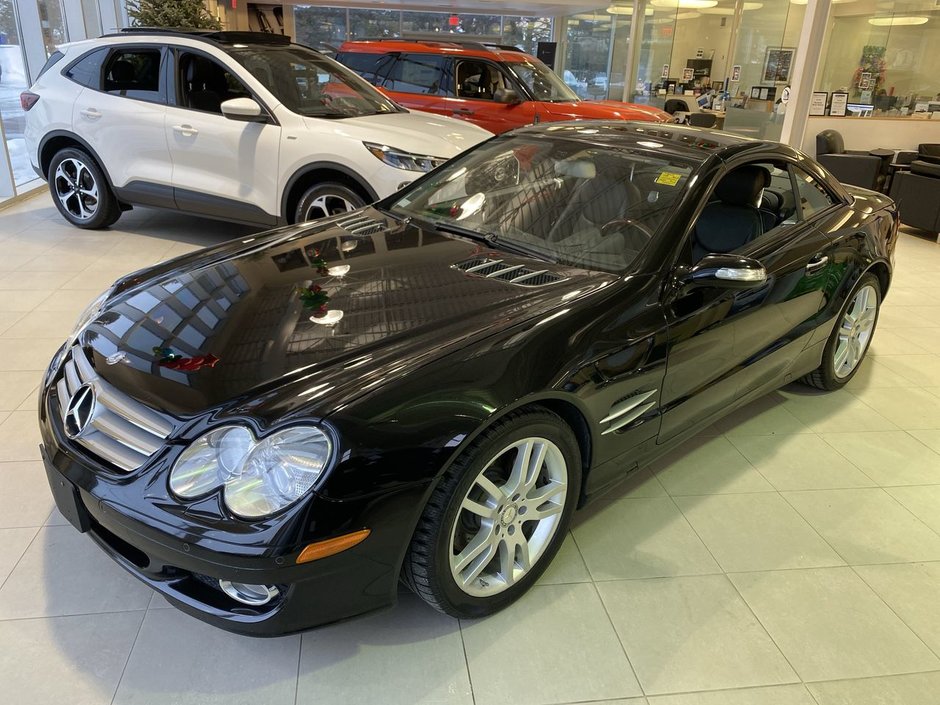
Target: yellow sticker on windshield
(667, 178)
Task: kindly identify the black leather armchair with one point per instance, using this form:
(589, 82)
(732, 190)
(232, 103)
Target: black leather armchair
(917, 193)
(867, 169)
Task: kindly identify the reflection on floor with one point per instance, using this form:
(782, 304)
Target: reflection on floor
(790, 555)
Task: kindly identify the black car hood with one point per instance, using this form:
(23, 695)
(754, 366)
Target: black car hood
(233, 332)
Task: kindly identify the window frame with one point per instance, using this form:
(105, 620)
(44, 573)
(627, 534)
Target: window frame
(174, 88)
(161, 91)
(834, 200)
(508, 79)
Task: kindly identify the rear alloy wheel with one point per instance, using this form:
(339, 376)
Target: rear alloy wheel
(80, 190)
(498, 516)
(325, 200)
(850, 338)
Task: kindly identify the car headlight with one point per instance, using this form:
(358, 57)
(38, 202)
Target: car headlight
(258, 477)
(403, 160)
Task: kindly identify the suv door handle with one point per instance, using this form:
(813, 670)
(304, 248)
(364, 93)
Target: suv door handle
(186, 130)
(463, 111)
(818, 262)
(91, 113)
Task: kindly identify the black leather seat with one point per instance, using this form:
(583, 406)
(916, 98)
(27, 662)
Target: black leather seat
(868, 169)
(206, 85)
(734, 219)
(917, 193)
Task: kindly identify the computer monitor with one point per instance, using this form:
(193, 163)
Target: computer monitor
(704, 101)
(860, 109)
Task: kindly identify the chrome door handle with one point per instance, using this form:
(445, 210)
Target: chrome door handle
(817, 262)
(186, 130)
(90, 113)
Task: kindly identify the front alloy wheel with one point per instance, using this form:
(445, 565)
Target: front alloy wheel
(325, 200)
(497, 516)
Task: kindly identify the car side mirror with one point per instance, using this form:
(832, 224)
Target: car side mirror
(243, 110)
(506, 95)
(727, 272)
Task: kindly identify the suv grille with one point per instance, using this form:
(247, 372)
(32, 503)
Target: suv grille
(517, 274)
(116, 428)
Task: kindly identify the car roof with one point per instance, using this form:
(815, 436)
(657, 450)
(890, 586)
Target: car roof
(454, 47)
(690, 143)
(222, 39)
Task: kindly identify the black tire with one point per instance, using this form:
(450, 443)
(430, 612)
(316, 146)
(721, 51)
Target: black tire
(427, 568)
(79, 208)
(326, 199)
(825, 376)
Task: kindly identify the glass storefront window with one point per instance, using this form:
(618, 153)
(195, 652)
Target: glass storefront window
(53, 26)
(526, 32)
(422, 24)
(887, 61)
(587, 53)
(13, 81)
(374, 24)
(318, 26)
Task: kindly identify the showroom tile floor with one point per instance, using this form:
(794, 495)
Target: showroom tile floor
(788, 556)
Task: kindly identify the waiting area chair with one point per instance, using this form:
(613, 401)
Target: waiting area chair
(865, 168)
(917, 193)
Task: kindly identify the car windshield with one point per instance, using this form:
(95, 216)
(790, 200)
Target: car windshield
(311, 84)
(545, 84)
(562, 200)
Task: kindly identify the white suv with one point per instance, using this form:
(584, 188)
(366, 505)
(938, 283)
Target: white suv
(235, 125)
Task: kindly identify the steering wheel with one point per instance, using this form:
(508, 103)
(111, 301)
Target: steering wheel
(619, 222)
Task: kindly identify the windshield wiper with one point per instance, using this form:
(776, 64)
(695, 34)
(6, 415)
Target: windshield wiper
(495, 241)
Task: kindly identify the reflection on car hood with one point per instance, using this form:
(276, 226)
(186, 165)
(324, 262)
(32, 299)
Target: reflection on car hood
(421, 133)
(238, 328)
(606, 110)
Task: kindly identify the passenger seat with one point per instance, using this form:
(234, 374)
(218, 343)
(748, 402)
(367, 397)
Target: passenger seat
(734, 219)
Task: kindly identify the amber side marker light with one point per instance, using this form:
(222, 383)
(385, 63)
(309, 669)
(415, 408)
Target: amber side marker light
(322, 549)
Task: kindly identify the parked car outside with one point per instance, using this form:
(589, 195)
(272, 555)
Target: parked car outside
(496, 87)
(235, 125)
(272, 432)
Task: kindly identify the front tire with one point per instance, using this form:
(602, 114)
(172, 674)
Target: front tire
(325, 200)
(850, 338)
(80, 190)
(497, 517)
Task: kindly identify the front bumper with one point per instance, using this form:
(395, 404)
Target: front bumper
(184, 564)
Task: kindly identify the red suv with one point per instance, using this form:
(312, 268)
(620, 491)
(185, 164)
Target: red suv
(496, 87)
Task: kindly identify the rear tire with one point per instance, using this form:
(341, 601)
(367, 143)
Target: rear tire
(497, 517)
(852, 334)
(80, 190)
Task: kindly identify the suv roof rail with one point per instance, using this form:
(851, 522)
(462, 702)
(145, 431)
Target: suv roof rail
(468, 43)
(212, 35)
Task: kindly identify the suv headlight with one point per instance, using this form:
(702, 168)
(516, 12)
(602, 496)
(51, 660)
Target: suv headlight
(258, 477)
(92, 310)
(403, 160)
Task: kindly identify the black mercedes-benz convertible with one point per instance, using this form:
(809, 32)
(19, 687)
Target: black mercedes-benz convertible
(272, 432)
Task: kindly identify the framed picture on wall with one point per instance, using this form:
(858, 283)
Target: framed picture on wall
(777, 64)
(839, 104)
(688, 74)
(817, 104)
(735, 74)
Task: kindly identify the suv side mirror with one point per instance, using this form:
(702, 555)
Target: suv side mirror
(506, 95)
(727, 272)
(243, 110)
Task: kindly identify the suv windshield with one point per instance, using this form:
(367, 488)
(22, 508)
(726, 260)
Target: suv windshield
(311, 84)
(544, 83)
(563, 200)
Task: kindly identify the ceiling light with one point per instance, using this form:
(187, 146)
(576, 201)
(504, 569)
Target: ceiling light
(834, 2)
(897, 21)
(688, 15)
(685, 4)
(626, 10)
(730, 11)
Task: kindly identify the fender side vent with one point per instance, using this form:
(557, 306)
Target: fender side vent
(517, 274)
(360, 224)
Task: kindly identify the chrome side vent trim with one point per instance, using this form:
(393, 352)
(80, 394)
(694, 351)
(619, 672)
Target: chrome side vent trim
(628, 410)
(360, 224)
(121, 431)
(517, 274)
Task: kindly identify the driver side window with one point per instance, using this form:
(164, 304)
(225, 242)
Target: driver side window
(479, 80)
(750, 202)
(204, 84)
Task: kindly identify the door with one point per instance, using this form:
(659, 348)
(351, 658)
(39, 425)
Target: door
(724, 344)
(472, 97)
(221, 167)
(417, 81)
(121, 112)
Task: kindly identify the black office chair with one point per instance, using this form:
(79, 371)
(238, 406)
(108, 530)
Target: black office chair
(676, 105)
(703, 119)
(857, 167)
(917, 193)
